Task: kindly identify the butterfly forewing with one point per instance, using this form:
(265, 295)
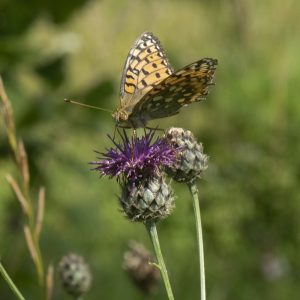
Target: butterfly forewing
(145, 66)
(183, 87)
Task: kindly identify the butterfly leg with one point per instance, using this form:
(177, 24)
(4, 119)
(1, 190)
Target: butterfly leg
(134, 130)
(122, 126)
(155, 128)
(127, 127)
(116, 128)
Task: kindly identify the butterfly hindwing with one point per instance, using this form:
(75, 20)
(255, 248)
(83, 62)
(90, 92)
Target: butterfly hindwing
(145, 66)
(188, 85)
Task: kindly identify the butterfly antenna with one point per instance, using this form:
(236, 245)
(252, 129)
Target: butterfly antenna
(86, 105)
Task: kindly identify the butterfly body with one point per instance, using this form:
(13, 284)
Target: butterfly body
(150, 89)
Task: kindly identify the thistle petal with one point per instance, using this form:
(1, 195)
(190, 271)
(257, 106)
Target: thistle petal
(135, 157)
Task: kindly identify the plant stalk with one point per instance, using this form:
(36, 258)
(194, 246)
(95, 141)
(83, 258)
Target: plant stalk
(151, 227)
(10, 283)
(22, 193)
(194, 191)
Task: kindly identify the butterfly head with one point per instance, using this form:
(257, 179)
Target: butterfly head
(120, 116)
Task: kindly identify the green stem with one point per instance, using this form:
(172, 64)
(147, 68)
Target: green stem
(151, 227)
(194, 191)
(10, 283)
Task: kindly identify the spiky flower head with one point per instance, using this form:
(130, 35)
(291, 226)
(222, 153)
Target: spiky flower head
(137, 262)
(139, 163)
(150, 200)
(75, 275)
(136, 158)
(191, 161)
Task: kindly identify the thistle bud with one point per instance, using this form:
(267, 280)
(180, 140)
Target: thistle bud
(191, 161)
(150, 199)
(75, 275)
(137, 264)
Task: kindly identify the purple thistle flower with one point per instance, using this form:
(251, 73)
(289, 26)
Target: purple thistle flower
(135, 158)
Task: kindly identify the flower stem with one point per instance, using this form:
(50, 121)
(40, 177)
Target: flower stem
(151, 227)
(10, 283)
(194, 191)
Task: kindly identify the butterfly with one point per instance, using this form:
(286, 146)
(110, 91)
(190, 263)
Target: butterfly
(151, 89)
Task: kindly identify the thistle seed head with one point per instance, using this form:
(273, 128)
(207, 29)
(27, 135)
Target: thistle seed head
(75, 275)
(191, 161)
(137, 263)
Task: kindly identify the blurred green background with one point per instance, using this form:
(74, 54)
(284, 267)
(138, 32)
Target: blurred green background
(250, 196)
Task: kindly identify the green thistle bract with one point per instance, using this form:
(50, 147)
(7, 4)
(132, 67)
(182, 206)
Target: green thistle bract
(149, 200)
